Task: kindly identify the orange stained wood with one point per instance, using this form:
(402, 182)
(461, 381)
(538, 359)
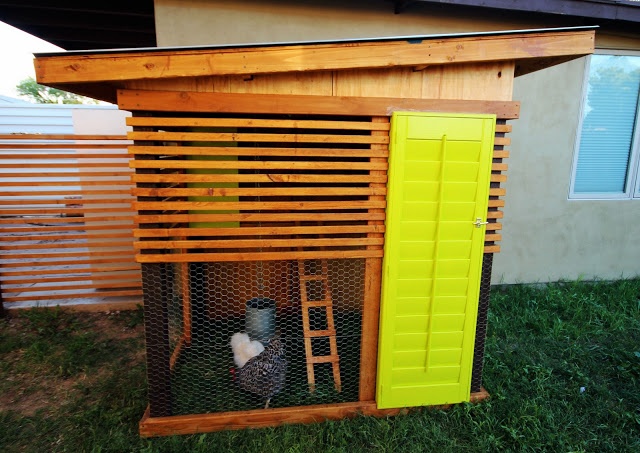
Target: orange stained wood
(184, 101)
(524, 48)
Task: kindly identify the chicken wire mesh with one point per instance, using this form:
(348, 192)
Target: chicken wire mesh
(194, 309)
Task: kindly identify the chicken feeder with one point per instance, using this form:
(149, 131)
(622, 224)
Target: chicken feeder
(260, 320)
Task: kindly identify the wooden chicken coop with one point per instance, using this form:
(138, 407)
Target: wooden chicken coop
(342, 197)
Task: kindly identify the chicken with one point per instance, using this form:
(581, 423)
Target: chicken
(264, 374)
(244, 349)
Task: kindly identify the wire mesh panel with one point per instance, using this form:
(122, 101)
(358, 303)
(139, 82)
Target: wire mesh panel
(205, 304)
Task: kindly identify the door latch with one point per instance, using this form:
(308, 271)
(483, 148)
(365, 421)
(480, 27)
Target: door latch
(478, 223)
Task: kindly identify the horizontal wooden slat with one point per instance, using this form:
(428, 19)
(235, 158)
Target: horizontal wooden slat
(57, 237)
(256, 151)
(57, 175)
(264, 206)
(499, 167)
(74, 137)
(121, 259)
(148, 121)
(119, 220)
(85, 295)
(95, 245)
(120, 254)
(258, 243)
(258, 165)
(502, 141)
(496, 203)
(260, 178)
(261, 192)
(261, 217)
(111, 164)
(498, 178)
(503, 128)
(497, 191)
(70, 211)
(66, 201)
(249, 137)
(500, 154)
(73, 286)
(258, 231)
(66, 270)
(265, 256)
(493, 226)
(71, 277)
(67, 193)
(491, 249)
(41, 146)
(304, 105)
(58, 183)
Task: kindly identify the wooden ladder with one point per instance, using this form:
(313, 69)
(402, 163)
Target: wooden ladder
(323, 292)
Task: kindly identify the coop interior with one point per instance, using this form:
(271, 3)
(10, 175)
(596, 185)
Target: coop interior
(261, 226)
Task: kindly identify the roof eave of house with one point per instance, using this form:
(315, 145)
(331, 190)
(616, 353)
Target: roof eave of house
(597, 10)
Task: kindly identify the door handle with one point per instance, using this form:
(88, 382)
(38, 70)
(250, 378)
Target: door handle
(478, 223)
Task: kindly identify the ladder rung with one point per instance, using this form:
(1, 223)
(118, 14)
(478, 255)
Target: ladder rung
(317, 303)
(323, 359)
(320, 333)
(313, 277)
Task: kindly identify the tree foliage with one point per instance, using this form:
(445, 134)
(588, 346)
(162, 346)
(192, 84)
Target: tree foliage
(34, 92)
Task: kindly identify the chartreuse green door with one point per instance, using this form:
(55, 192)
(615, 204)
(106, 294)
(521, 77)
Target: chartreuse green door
(439, 171)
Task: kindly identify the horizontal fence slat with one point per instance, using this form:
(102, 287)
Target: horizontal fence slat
(85, 295)
(70, 278)
(48, 137)
(66, 270)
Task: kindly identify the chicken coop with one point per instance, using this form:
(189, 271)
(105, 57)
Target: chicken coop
(316, 222)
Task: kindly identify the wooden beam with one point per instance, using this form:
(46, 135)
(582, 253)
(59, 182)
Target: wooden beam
(182, 101)
(251, 60)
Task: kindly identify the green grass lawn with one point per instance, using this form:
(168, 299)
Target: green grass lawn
(562, 367)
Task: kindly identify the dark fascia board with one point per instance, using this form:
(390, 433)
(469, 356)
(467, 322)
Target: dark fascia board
(610, 10)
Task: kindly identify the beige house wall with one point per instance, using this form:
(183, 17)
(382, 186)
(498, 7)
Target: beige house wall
(546, 236)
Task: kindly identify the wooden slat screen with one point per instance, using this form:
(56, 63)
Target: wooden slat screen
(66, 220)
(258, 188)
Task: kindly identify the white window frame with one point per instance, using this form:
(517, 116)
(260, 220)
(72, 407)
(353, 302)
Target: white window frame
(632, 186)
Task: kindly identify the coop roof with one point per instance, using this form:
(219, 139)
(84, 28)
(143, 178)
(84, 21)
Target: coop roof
(99, 73)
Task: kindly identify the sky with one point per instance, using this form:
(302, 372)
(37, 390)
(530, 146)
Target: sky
(16, 55)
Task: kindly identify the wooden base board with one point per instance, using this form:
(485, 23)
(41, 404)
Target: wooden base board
(262, 418)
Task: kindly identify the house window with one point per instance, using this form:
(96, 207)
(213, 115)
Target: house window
(608, 149)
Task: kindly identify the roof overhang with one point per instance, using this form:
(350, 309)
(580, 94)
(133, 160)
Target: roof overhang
(99, 74)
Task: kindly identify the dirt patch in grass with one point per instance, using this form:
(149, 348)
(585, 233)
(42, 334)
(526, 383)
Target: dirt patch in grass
(49, 359)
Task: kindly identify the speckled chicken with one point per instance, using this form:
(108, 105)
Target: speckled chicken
(265, 373)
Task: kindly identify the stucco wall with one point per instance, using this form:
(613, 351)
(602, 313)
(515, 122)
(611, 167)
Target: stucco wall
(546, 236)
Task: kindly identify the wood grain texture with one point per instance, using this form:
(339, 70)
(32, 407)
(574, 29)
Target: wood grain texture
(305, 105)
(162, 64)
